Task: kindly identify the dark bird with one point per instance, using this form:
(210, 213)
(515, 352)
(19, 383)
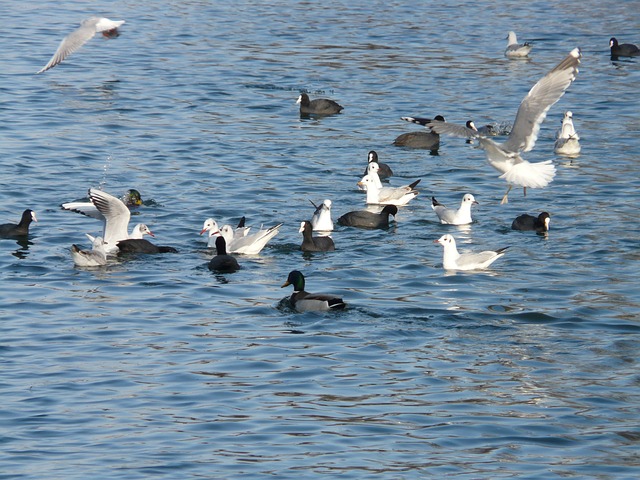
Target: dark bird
(366, 219)
(142, 245)
(384, 170)
(11, 230)
(526, 222)
(427, 139)
(319, 106)
(308, 302)
(314, 244)
(223, 262)
(623, 49)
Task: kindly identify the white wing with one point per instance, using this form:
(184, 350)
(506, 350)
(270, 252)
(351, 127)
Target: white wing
(71, 43)
(116, 216)
(534, 107)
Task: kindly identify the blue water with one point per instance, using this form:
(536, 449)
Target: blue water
(156, 367)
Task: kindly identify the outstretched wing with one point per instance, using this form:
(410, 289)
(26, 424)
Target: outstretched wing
(534, 107)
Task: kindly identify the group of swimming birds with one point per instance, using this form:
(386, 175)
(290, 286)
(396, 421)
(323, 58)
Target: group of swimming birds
(505, 157)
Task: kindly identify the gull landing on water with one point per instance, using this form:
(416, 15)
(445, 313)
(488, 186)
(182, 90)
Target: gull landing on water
(88, 28)
(115, 215)
(505, 157)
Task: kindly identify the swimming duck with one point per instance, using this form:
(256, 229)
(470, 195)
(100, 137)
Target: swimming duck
(623, 49)
(427, 140)
(223, 262)
(319, 106)
(308, 302)
(384, 170)
(366, 219)
(21, 229)
(142, 245)
(314, 244)
(526, 222)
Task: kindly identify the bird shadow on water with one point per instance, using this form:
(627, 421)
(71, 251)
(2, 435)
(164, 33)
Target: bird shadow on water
(23, 251)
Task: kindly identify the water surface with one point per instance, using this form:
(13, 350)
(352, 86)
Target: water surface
(155, 367)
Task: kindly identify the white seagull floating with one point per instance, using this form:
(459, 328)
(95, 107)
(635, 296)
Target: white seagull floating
(373, 170)
(88, 28)
(239, 240)
(321, 219)
(115, 215)
(387, 195)
(505, 157)
(453, 260)
(250, 244)
(449, 216)
(515, 49)
(567, 139)
(379, 195)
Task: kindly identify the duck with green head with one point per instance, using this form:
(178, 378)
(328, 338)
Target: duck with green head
(304, 301)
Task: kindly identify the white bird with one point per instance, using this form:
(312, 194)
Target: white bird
(115, 215)
(211, 226)
(515, 49)
(76, 39)
(131, 199)
(321, 220)
(90, 258)
(453, 260)
(388, 195)
(533, 109)
(373, 170)
(567, 139)
(461, 216)
(250, 244)
(238, 240)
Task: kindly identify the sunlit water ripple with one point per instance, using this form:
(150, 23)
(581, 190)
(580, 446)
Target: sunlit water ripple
(158, 367)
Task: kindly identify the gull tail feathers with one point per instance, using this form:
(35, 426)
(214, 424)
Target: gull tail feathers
(530, 175)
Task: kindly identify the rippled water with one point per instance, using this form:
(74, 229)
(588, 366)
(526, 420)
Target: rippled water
(157, 367)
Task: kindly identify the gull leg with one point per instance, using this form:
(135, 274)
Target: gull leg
(524, 189)
(505, 199)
